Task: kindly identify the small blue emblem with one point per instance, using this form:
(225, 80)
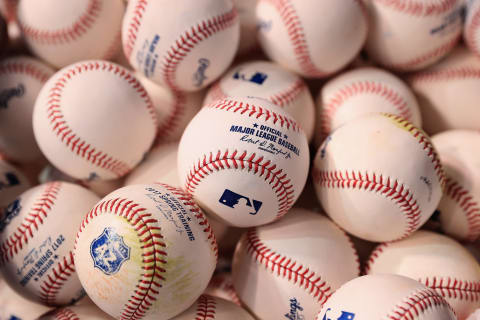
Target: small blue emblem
(344, 316)
(10, 212)
(258, 77)
(231, 199)
(109, 252)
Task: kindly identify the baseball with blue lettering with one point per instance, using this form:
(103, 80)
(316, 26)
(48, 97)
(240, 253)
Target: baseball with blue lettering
(12, 183)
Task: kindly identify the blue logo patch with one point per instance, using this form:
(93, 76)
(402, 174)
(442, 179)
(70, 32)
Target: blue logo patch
(11, 212)
(344, 316)
(109, 252)
(258, 77)
(232, 199)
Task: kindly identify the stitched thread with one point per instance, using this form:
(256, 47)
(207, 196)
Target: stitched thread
(28, 69)
(206, 308)
(66, 134)
(419, 7)
(57, 277)
(225, 285)
(446, 75)
(134, 26)
(471, 31)
(452, 288)
(65, 314)
(374, 256)
(171, 123)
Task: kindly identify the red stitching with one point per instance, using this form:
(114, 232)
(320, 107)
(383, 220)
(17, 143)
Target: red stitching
(374, 256)
(134, 26)
(65, 35)
(225, 284)
(26, 68)
(446, 75)
(216, 93)
(32, 221)
(357, 88)
(190, 38)
(416, 304)
(286, 267)
(419, 7)
(452, 288)
(171, 123)
(471, 29)
(58, 276)
(66, 134)
(235, 160)
(65, 314)
(387, 187)
(206, 308)
(154, 255)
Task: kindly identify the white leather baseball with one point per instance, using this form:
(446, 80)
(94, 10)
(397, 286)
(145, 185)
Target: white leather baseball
(385, 296)
(436, 261)
(248, 26)
(21, 79)
(459, 151)
(378, 177)
(471, 30)
(66, 32)
(221, 286)
(145, 252)
(412, 34)
(37, 236)
(12, 183)
(187, 47)
(475, 315)
(267, 80)
(361, 91)
(94, 119)
(174, 109)
(244, 160)
(85, 309)
(448, 92)
(214, 308)
(300, 36)
(290, 268)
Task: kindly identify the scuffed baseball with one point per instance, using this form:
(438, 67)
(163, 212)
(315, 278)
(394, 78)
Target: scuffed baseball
(85, 309)
(12, 183)
(214, 308)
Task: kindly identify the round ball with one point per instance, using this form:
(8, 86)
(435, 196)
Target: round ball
(213, 308)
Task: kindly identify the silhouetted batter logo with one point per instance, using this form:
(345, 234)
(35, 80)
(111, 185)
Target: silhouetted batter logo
(109, 252)
(257, 77)
(240, 203)
(343, 316)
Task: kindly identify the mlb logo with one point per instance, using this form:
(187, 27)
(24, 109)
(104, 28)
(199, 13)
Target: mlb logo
(241, 203)
(109, 252)
(343, 316)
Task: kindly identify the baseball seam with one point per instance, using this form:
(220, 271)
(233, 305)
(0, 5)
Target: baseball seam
(134, 26)
(453, 288)
(374, 256)
(419, 7)
(206, 308)
(445, 75)
(153, 256)
(171, 123)
(56, 279)
(225, 285)
(65, 314)
(25, 68)
(471, 31)
(62, 130)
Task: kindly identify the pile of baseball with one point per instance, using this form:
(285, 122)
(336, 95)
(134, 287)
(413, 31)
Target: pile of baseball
(240, 159)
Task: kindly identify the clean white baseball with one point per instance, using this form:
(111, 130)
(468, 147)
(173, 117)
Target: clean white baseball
(385, 296)
(12, 183)
(411, 35)
(214, 308)
(244, 160)
(436, 261)
(471, 29)
(361, 91)
(221, 286)
(290, 268)
(65, 32)
(448, 92)
(174, 109)
(21, 79)
(177, 44)
(83, 310)
(94, 120)
(145, 252)
(248, 26)
(37, 236)
(300, 36)
(378, 177)
(267, 80)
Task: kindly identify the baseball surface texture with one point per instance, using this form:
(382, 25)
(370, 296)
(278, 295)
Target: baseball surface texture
(12, 183)
(94, 120)
(413, 34)
(290, 268)
(190, 45)
(221, 286)
(65, 32)
(244, 160)
(84, 310)
(145, 252)
(292, 34)
(37, 236)
(385, 296)
(471, 31)
(378, 177)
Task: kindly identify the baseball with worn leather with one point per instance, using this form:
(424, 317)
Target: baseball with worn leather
(411, 35)
(267, 80)
(361, 91)
(12, 183)
(21, 79)
(436, 261)
(294, 264)
(244, 160)
(63, 33)
(94, 120)
(214, 308)
(85, 309)
(459, 151)
(448, 92)
(37, 236)
(378, 177)
(187, 47)
(385, 296)
(471, 29)
(292, 34)
(145, 251)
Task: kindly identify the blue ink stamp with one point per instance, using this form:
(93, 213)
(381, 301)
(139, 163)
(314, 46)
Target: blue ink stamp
(11, 212)
(344, 316)
(295, 310)
(258, 77)
(199, 76)
(109, 252)
(7, 94)
(232, 199)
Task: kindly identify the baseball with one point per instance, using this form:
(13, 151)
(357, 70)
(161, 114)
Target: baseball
(385, 296)
(83, 310)
(301, 37)
(145, 251)
(244, 160)
(436, 261)
(475, 315)
(213, 308)
(411, 36)
(177, 44)
(267, 80)
(12, 183)
(471, 29)
(65, 32)
(94, 120)
(294, 265)
(378, 177)
(221, 286)
(37, 235)
(21, 79)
